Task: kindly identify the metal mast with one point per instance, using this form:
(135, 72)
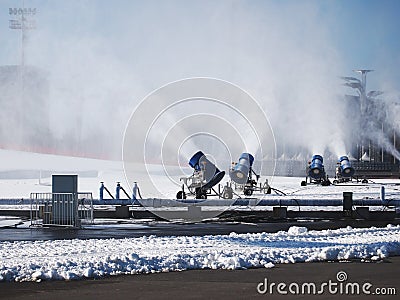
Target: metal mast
(22, 21)
(363, 90)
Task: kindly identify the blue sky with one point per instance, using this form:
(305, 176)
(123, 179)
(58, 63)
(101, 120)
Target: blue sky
(368, 31)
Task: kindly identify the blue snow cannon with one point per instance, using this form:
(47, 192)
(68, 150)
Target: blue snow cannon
(345, 168)
(316, 169)
(240, 172)
(194, 162)
(211, 174)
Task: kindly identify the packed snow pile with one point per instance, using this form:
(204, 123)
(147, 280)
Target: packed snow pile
(77, 259)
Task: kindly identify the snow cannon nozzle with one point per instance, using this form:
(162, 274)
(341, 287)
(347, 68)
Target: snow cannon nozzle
(345, 168)
(316, 168)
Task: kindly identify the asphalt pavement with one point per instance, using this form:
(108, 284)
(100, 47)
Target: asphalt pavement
(125, 229)
(333, 280)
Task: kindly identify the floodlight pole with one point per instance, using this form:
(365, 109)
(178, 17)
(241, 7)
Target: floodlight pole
(22, 23)
(363, 105)
(23, 38)
(21, 20)
(363, 92)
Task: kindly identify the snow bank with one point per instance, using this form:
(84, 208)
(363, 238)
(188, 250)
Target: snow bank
(295, 230)
(77, 259)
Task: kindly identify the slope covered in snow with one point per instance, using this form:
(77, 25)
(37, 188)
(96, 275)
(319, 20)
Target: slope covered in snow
(14, 163)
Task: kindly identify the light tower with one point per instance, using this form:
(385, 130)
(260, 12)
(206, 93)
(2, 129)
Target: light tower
(363, 90)
(22, 22)
(21, 19)
(364, 100)
(363, 107)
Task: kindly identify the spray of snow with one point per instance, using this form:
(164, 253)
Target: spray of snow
(280, 52)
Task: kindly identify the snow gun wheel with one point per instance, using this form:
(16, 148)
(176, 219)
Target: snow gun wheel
(248, 192)
(201, 193)
(227, 193)
(326, 183)
(303, 183)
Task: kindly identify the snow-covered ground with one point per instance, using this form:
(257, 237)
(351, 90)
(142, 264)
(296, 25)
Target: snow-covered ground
(23, 172)
(110, 172)
(20, 163)
(76, 259)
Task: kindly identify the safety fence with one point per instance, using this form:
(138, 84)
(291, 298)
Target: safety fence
(61, 209)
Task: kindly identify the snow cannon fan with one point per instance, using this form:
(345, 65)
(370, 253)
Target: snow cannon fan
(345, 168)
(240, 173)
(316, 169)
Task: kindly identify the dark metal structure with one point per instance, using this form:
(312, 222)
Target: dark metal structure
(372, 159)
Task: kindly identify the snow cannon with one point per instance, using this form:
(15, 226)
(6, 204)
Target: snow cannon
(316, 169)
(210, 173)
(316, 172)
(241, 171)
(345, 168)
(205, 176)
(242, 180)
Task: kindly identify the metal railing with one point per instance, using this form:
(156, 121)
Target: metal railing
(61, 209)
